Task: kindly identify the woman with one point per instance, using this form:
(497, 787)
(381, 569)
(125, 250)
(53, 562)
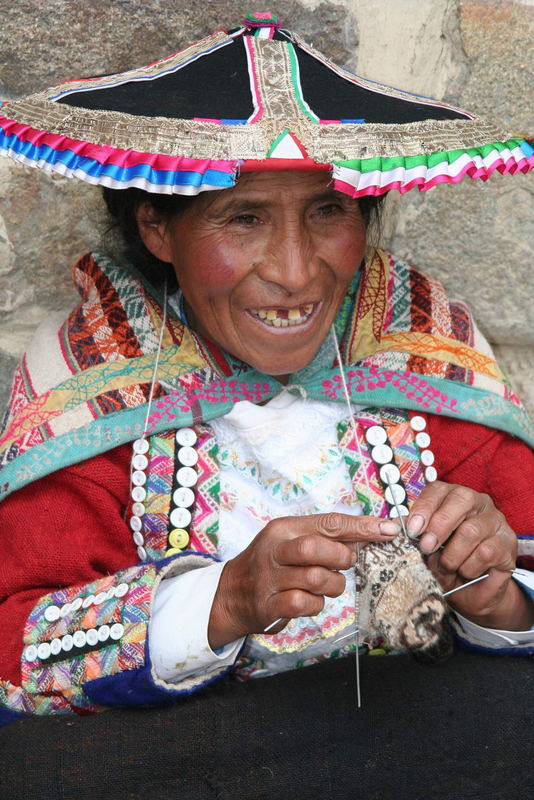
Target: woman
(207, 459)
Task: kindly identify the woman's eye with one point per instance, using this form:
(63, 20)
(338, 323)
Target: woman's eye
(328, 209)
(246, 220)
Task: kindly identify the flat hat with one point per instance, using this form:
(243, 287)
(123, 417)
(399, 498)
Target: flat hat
(253, 98)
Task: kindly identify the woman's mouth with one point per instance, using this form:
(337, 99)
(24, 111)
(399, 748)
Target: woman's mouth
(284, 317)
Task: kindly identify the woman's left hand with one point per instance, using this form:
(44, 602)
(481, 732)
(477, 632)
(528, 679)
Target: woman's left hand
(465, 536)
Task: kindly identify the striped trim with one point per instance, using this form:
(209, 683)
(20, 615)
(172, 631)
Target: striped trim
(380, 175)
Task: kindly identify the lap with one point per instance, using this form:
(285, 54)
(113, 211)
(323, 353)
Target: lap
(462, 729)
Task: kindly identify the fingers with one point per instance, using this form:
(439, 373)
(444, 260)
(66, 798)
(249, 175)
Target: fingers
(439, 511)
(311, 549)
(342, 527)
(295, 603)
(313, 580)
(478, 544)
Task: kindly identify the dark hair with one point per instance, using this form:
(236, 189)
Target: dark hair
(122, 205)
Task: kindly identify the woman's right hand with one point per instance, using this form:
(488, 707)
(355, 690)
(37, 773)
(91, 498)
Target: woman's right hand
(287, 570)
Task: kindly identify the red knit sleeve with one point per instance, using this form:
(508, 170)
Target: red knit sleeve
(63, 530)
(488, 461)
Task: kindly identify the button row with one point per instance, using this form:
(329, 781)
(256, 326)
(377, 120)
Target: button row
(53, 612)
(382, 455)
(78, 639)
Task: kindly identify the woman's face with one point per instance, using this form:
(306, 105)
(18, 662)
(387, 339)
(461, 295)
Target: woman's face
(264, 266)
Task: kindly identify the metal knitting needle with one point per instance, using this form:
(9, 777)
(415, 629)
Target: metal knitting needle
(272, 625)
(464, 585)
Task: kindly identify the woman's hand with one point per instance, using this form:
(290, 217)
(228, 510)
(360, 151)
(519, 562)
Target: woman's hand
(465, 536)
(287, 570)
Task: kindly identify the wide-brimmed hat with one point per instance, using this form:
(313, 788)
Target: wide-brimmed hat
(253, 98)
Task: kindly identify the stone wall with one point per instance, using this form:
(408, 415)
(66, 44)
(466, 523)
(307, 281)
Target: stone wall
(477, 238)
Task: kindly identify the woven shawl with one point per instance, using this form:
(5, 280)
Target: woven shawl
(83, 385)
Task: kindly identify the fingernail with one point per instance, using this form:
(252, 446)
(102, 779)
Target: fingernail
(428, 543)
(389, 527)
(415, 526)
(353, 559)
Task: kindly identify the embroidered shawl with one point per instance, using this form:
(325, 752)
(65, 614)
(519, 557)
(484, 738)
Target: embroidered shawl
(82, 387)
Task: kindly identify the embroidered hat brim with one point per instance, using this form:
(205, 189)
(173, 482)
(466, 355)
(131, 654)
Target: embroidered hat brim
(255, 98)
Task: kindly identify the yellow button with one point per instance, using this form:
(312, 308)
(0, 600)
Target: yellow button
(377, 651)
(179, 538)
(172, 551)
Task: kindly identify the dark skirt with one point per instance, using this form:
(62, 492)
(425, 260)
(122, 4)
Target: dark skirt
(460, 731)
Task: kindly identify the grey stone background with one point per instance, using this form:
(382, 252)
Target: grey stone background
(477, 238)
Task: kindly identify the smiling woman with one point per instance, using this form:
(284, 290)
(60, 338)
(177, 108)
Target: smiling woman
(229, 451)
(264, 266)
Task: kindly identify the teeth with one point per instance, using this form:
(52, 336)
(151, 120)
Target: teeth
(282, 318)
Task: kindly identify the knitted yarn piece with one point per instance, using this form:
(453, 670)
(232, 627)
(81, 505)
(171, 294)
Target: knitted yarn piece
(401, 601)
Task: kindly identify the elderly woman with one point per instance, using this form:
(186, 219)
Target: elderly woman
(226, 457)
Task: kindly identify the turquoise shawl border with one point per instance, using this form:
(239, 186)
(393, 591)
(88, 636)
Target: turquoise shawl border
(368, 387)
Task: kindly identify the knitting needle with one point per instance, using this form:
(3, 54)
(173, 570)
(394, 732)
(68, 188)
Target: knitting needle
(272, 625)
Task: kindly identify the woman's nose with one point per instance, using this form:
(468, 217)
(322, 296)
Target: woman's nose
(290, 262)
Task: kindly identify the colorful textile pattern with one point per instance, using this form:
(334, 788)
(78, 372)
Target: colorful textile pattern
(268, 101)
(115, 608)
(404, 344)
(158, 488)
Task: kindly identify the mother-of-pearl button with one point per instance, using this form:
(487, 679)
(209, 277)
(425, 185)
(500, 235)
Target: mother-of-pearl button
(76, 604)
(91, 636)
(390, 473)
(427, 458)
(51, 613)
(138, 478)
(103, 633)
(43, 651)
(394, 513)
(55, 646)
(135, 523)
(180, 518)
(121, 590)
(79, 638)
(30, 654)
(140, 446)
(187, 476)
(88, 601)
(376, 434)
(186, 437)
(183, 497)
(116, 631)
(138, 538)
(395, 494)
(431, 474)
(187, 456)
(110, 594)
(138, 494)
(141, 552)
(381, 453)
(65, 610)
(138, 509)
(100, 598)
(418, 423)
(422, 439)
(66, 642)
(139, 461)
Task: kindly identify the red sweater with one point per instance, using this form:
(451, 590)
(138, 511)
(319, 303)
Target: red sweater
(68, 528)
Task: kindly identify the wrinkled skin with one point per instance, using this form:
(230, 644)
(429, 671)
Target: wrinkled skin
(283, 241)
